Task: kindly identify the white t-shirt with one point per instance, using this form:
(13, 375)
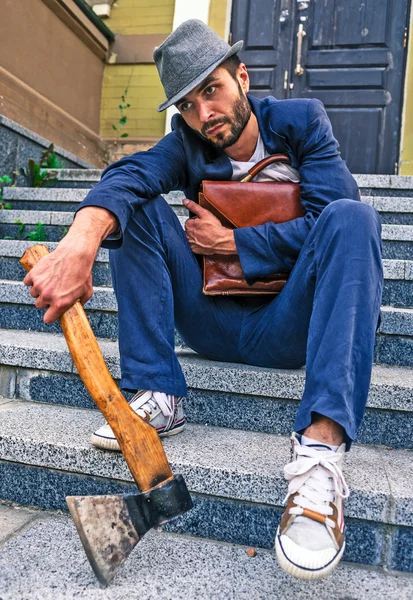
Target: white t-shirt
(274, 172)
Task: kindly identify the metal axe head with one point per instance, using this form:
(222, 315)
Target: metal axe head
(111, 526)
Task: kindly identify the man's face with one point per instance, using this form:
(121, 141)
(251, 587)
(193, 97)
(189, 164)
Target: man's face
(218, 109)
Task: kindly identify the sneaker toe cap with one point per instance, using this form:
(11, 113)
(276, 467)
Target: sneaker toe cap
(304, 563)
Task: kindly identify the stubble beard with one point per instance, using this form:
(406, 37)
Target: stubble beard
(240, 116)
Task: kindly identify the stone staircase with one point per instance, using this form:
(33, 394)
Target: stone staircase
(236, 443)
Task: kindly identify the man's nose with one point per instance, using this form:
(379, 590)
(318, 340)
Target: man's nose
(204, 112)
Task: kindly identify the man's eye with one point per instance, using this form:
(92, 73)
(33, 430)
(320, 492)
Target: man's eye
(210, 90)
(184, 107)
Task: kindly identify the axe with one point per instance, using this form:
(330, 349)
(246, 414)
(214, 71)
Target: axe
(111, 526)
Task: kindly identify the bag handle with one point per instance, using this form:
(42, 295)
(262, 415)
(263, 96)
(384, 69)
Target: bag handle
(269, 160)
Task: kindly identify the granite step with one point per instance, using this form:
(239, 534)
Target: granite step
(76, 178)
(164, 566)
(398, 274)
(65, 199)
(395, 183)
(393, 210)
(385, 185)
(394, 339)
(19, 224)
(397, 239)
(236, 478)
(12, 250)
(37, 367)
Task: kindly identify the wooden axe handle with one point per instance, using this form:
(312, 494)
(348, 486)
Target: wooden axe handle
(139, 442)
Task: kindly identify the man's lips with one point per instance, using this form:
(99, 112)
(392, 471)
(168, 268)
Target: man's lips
(215, 129)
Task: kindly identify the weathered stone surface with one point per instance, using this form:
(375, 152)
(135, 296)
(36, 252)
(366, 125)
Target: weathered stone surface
(13, 519)
(167, 566)
(402, 233)
(234, 464)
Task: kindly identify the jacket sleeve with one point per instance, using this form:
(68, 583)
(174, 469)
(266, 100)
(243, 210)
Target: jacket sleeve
(133, 180)
(324, 177)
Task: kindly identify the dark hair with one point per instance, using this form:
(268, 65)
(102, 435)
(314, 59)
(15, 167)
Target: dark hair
(231, 64)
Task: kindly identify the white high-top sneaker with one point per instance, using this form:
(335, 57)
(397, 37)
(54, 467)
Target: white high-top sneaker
(164, 412)
(310, 540)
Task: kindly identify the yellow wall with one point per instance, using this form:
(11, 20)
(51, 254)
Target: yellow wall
(142, 16)
(217, 16)
(406, 159)
(145, 92)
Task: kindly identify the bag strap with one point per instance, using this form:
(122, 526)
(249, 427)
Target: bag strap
(269, 160)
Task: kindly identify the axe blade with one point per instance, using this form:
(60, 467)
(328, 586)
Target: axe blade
(106, 530)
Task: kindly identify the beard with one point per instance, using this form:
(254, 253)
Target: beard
(241, 113)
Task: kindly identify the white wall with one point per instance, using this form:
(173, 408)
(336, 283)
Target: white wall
(184, 10)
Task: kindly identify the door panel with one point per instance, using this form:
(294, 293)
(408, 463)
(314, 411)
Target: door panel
(353, 139)
(360, 22)
(345, 78)
(353, 61)
(265, 27)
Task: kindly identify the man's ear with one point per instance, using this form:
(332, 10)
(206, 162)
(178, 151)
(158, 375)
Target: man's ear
(243, 78)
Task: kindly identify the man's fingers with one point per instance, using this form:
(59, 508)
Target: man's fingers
(41, 304)
(86, 296)
(52, 314)
(33, 292)
(189, 223)
(55, 311)
(28, 280)
(194, 207)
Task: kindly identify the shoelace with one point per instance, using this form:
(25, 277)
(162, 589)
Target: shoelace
(144, 404)
(312, 474)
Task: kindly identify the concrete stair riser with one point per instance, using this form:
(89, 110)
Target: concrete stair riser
(235, 396)
(12, 250)
(212, 517)
(392, 209)
(394, 341)
(387, 427)
(397, 239)
(66, 200)
(397, 291)
(395, 183)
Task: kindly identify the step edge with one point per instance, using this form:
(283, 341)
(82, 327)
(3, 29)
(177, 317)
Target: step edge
(115, 468)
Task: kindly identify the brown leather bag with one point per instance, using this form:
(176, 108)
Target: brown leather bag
(242, 204)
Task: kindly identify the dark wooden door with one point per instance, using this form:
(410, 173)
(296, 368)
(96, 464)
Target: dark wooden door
(352, 59)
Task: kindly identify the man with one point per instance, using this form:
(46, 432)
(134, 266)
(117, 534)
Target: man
(325, 317)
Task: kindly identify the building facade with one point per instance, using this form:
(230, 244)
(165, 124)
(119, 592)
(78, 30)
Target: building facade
(354, 56)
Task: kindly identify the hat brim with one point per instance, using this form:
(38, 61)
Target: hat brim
(233, 50)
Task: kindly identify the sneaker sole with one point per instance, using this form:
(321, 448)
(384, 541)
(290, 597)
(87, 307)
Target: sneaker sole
(301, 571)
(112, 444)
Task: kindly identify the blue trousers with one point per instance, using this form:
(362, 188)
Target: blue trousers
(325, 317)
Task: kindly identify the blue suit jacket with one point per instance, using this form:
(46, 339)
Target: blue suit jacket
(181, 160)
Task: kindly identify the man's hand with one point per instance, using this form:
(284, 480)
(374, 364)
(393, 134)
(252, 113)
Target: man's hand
(65, 275)
(205, 233)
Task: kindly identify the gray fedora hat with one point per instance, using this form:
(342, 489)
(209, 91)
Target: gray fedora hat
(187, 56)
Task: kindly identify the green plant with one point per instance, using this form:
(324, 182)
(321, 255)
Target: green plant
(49, 159)
(38, 178)
(10, 182)
(123, 118)
(38, 235)
(65, 230)
(20, 231)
